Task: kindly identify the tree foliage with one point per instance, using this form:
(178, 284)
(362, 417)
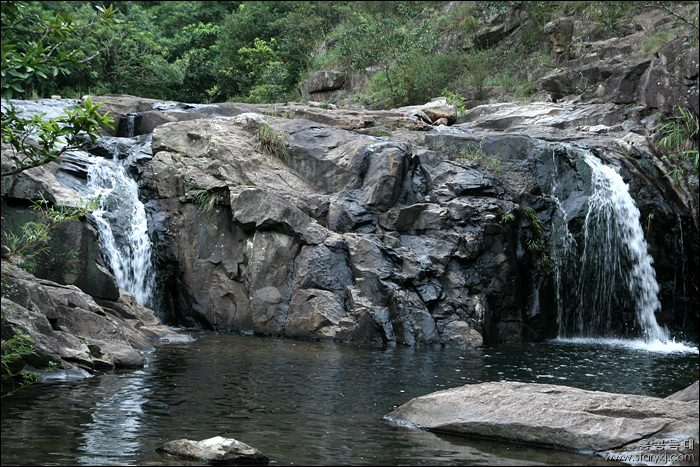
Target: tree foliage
(261, 51)
(33, 52)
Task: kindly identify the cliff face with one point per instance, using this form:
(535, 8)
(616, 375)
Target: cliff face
(415, 226)
(427, 235)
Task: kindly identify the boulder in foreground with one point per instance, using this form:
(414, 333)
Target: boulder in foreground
(215, 450)
(561, 417)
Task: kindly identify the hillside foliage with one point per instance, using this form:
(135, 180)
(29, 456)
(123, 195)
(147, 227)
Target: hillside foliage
(402, 53)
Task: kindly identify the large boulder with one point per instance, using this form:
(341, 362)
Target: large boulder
(556, 416)
(325, 80)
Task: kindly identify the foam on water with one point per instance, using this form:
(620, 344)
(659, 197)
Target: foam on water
(655, 345)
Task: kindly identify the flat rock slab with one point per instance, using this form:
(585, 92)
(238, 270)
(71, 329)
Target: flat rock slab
(215, 450)
(556, 416)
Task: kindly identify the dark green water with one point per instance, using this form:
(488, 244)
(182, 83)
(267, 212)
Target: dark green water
(307, 403)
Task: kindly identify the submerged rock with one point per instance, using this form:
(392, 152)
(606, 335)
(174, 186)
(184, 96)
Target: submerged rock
(559, 417)
(215, 450)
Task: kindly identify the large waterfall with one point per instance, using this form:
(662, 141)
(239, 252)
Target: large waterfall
(606, 284)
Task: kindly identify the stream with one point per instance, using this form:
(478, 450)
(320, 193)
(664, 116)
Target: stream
(310, 403)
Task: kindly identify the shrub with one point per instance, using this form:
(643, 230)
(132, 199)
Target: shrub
(271, 142)
(679, 141)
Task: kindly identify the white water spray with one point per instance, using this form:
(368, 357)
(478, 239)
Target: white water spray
(614, 218)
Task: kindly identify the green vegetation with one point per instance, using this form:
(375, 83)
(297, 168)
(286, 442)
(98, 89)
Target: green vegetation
(271, 142)
(455, 100)
(205, 199)
(507, 217)
(24, 249)
(475, 155)
(680, 141)
(36, 142)
(536, 244)
(397, 53)
(34, 52)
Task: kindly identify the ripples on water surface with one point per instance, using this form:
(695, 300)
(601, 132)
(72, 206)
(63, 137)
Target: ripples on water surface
(308, 403)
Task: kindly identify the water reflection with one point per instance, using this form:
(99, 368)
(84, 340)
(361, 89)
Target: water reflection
(304, 402)
(113, 433)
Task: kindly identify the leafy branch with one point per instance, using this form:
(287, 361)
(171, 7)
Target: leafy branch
(37, 142)
(35, 235)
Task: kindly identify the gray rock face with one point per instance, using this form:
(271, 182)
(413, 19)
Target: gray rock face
(551, 415)
(273, 248)
(401, 238)
(688, 394)
(74, 253)
(409, 239)
(70, 328)
(325, 81)
(615, 72)
(216, 450)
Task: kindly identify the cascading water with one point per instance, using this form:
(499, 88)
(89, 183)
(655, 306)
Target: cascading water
(122, 226)
(121, 217)
(606, 282)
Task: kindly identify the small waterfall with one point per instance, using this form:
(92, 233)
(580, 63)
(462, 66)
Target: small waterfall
(614, 235)
(123, 228)
(129, 125)
(610, 271)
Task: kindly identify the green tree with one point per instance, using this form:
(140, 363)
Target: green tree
(197, 47)
(32, 52)
(388, 47)
(265, 73)
(129, 56)
(251, 21)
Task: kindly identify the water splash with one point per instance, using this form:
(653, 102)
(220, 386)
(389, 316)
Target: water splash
(657, 346)
(613, 218)
(611, 270)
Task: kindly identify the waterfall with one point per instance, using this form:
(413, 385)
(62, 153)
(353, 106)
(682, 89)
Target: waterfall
(122, 226)
(121, 217)
(129, 125)
(609, 272)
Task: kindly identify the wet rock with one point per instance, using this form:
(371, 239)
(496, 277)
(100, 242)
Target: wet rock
(216, 450)
(75, 258)
(405, 237)
(555, 416)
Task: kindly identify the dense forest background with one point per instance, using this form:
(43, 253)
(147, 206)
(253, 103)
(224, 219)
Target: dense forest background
(399, 53)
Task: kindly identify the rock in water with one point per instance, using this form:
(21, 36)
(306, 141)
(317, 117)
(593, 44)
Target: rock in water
(556, 416)
(215, 450)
